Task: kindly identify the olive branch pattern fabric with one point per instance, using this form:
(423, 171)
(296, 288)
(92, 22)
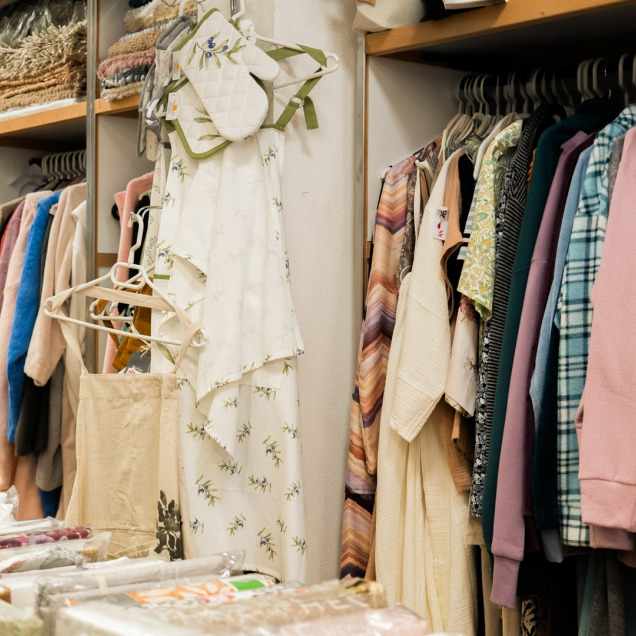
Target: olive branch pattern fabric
(221, 255)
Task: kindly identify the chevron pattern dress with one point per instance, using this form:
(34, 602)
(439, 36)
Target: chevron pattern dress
(373, 354)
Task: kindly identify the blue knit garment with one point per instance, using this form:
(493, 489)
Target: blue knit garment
(26, 310)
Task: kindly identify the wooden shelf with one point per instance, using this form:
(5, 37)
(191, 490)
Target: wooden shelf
(118, 107)
(65, 124)
(61, 128)
(543, 31)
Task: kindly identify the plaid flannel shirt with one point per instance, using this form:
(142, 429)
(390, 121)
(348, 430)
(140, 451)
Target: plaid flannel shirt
(574, 320)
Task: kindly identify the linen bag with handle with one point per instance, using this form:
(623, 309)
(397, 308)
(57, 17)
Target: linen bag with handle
(128, 462)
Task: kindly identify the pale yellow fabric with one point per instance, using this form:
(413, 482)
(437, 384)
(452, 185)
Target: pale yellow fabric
(499, 621)
(421, 554)
(127, 441)
(47, 342)
(70, 397)
(421, 363)
(127, 479)
(461, 381)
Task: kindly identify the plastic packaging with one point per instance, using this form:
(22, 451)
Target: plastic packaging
(57, 535)
(54, 555)
(270, 611)
(37, 525)
(9, 501)
(22, 622)
(393, 621)
(135, 574)
(103, 619)
(19, 20)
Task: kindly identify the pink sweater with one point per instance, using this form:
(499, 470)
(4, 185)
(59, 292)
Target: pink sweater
(607, 435)
(127, 203)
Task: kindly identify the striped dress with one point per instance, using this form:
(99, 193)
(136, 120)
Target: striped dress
(373, 355)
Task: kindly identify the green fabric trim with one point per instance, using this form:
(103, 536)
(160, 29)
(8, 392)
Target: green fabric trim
(311, 119)
(184, 140)
(301, 98)
(283, 53)
(315, 54)
(172, 88)
(195, 30)
(298, 100)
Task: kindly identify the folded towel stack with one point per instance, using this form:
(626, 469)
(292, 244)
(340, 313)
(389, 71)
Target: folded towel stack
(46, 66)
(124, 71)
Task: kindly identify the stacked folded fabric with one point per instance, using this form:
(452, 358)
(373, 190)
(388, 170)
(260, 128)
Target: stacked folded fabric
(44, 67)
(129, 59)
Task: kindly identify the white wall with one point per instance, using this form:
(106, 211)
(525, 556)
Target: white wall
(325, 241)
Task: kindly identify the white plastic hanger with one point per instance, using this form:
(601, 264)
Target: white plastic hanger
(599, 91)
(183, 4)
(158, 301)
(533, 88)
(621, 77)
(248, 30)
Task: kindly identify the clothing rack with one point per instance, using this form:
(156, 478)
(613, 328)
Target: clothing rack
(62, 165)
(521, 91)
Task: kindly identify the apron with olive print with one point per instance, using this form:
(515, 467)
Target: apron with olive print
(221, 254)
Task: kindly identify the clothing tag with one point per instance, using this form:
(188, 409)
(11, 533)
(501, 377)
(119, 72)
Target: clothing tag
(138, 363)
(173, 106)
(176, 67)
(441, 224)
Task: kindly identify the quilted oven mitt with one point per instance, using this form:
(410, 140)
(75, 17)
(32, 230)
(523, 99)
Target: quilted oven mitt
(198, 134)
(220, 62)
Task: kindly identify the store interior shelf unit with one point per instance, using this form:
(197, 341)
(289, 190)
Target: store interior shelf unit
(65, 125)
(518, 32)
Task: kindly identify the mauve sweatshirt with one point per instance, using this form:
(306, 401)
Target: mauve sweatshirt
(605, 422)
(513, 505)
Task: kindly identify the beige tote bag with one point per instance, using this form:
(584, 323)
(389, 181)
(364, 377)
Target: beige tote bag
(387, 14)
(128, 463)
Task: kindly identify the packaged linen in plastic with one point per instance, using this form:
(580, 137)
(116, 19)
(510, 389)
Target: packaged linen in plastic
(104, 619)
(136, 576)
(54, 555)
(271, 610)
(31, 537)
(9, 501)
(393, 621)
(32, 526)
(21, 587)
(29, 17)
(19, 622)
